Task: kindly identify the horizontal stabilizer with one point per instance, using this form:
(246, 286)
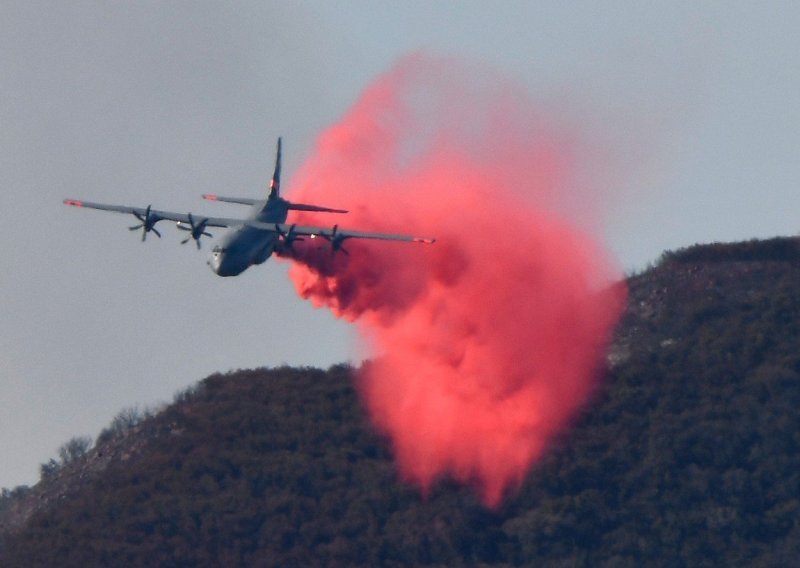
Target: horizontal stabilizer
(303, 207)
(239, 200)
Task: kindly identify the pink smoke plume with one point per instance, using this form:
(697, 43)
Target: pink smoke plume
(492, 337)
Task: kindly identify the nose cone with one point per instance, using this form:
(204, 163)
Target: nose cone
(225, 265)
(217, 264)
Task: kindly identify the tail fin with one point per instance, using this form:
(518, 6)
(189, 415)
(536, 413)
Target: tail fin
(275, 184)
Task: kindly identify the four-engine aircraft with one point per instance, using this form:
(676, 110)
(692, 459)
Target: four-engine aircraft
(251, 240)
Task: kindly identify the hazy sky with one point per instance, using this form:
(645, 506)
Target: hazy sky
(159, 102)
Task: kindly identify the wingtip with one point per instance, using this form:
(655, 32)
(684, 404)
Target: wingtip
(73, 202)
(210, 197)
(424, 240)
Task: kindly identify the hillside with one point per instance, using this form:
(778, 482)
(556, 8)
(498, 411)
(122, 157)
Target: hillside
(689, 455)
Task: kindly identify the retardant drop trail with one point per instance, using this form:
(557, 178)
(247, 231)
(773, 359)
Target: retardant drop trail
(492, 337)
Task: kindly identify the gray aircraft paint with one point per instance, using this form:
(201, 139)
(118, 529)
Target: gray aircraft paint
(254, 239)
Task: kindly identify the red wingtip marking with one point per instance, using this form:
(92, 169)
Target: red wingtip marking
(74, 202)
(210, 197)
(426, 241)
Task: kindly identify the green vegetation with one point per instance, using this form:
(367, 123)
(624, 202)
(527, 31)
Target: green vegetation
(688, 456)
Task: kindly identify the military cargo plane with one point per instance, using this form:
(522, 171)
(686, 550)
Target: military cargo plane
(251, 240)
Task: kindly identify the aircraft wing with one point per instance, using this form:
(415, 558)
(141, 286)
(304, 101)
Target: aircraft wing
(334, 234)
(157, 215)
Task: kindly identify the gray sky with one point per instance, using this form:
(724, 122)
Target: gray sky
(159, 102)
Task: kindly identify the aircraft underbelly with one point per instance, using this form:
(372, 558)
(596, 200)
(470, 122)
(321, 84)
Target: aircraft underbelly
(246, 247)
(265, 252)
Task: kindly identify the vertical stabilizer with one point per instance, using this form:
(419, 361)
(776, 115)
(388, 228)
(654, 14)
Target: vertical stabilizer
(275, 184)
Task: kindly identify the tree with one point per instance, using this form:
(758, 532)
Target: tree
(74, 449)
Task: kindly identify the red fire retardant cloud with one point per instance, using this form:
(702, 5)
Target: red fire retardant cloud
(491, 338)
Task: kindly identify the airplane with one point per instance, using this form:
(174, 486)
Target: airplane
(254, 239)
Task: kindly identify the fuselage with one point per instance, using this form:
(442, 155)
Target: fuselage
(245, 246)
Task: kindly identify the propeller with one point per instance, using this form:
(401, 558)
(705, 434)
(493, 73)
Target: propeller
(336, 240)
(288, 237)
(196, 230)
(148, 222)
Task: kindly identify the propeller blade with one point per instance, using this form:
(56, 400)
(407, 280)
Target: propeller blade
(146, 223)
(196, 230)
(339, 248)
(336, 241)
(288, 238)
